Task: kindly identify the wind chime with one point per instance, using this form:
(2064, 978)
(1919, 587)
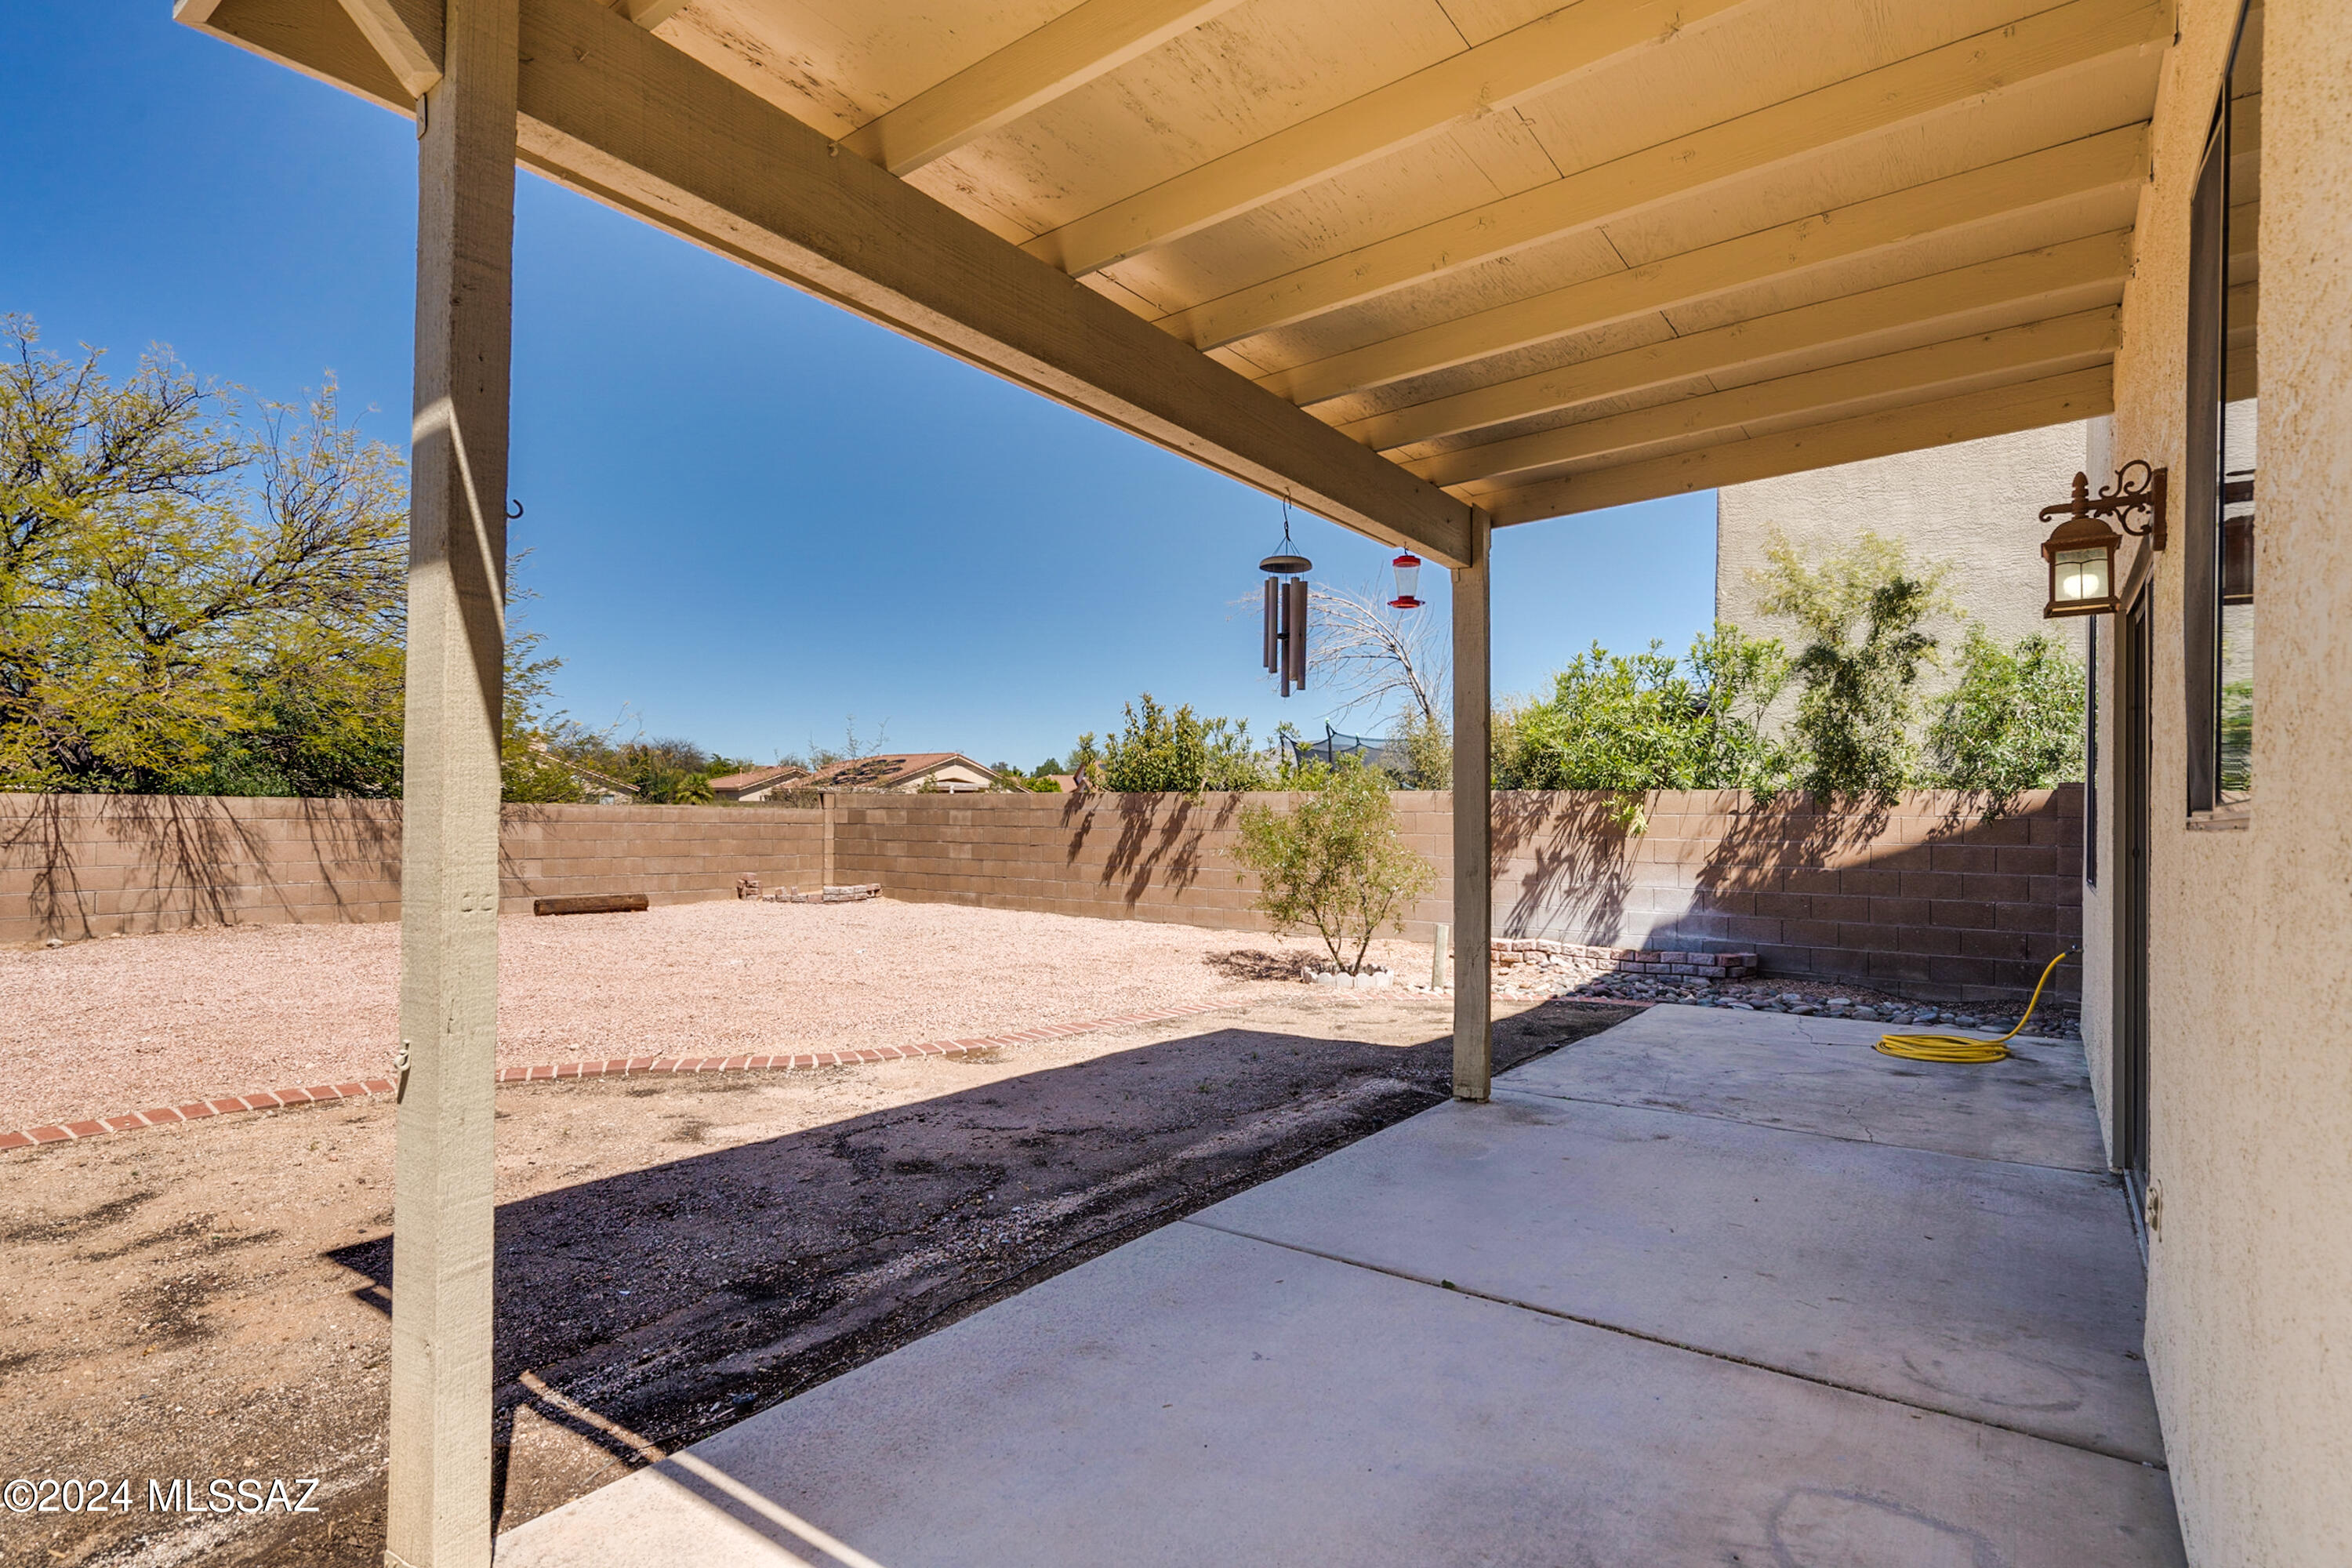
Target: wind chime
(1285, 610)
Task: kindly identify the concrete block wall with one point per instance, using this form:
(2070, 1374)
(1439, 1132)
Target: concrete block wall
(1118, 856)
(1161, 858)
(1921, 896)
(84, 865)
(672, 854)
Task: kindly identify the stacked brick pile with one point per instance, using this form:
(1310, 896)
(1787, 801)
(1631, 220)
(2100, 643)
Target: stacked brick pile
(1516, 950)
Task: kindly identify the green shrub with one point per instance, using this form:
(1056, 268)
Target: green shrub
(1420, 753)
(2013, 722)
(1650, 722)
(1334, 862)
(1158, 751)
(1010, 779)
(1860, 611)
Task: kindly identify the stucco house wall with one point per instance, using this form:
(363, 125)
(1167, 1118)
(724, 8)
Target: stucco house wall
(1970, 507)
(2249, 1288)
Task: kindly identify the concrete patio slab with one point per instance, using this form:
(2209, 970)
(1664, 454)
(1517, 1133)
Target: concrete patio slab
(2007, 1293)
(1199, 1397)
(1820, 1075)
(1552, 1330)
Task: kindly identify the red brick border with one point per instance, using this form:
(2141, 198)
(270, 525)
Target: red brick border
(615, 1067)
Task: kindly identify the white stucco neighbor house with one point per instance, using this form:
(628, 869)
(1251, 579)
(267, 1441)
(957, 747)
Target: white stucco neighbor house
(1971, 507)
(756, 784)
(905, 772)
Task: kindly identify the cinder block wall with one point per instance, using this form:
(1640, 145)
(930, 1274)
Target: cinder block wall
(82, 866)
(1921, 896)
(1118, 856)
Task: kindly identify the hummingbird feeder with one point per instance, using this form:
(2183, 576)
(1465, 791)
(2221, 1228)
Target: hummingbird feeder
(1285, 611)
(1408, 578)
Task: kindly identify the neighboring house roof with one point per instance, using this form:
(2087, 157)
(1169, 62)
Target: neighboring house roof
(1067, 782)
(736, 787)
(589, 779)
(894, 771)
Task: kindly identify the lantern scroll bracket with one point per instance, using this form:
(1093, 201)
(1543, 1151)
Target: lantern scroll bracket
(2120, 500)
(2082, 549)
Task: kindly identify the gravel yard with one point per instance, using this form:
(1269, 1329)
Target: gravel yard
(117, 1024)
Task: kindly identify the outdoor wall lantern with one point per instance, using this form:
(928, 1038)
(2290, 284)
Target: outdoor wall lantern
(1408, 578)
(2082, 549)
(1285, 611)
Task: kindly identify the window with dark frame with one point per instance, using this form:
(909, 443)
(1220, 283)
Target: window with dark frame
(2091, 750)
(2225, 372)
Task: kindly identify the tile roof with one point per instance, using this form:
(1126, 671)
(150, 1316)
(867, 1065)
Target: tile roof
(754, 778)
(888, 770)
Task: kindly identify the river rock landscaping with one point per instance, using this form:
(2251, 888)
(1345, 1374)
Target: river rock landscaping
(1540, 975)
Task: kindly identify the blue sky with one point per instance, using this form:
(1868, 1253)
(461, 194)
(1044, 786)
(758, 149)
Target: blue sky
(750, 514)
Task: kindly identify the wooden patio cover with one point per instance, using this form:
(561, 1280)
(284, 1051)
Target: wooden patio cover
(1424, 267)
(1386, 257)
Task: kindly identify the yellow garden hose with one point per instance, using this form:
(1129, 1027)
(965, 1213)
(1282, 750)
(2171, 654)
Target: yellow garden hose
(1963, 1048)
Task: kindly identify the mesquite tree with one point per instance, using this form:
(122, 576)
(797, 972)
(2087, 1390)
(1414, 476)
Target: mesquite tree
(198, 596)
(191, 599)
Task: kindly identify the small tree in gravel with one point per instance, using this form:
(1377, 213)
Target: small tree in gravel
(1334, 862)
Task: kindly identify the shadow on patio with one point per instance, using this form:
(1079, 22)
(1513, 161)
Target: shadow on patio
(664, 1296)
(1703, 1289)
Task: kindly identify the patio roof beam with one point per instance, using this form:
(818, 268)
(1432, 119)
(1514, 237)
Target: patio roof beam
(619, 115)
(636, 123)
(1074, 49)
(1997, 411)
(649, 14)
(2009, 353)
(406, 34)
(1533, 58)
(2047, 282)
(320, 41)
(1966, 71)
(1986, 195)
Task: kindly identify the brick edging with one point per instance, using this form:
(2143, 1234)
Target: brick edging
(614, 1066)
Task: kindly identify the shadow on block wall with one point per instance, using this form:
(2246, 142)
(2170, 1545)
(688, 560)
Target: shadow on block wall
(73, 867)
(1161, 839)
(90, 865)
(1922, 894)
(1578, 870)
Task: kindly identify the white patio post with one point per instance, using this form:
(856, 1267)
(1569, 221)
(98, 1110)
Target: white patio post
(439, 1504)
(1472, 824)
